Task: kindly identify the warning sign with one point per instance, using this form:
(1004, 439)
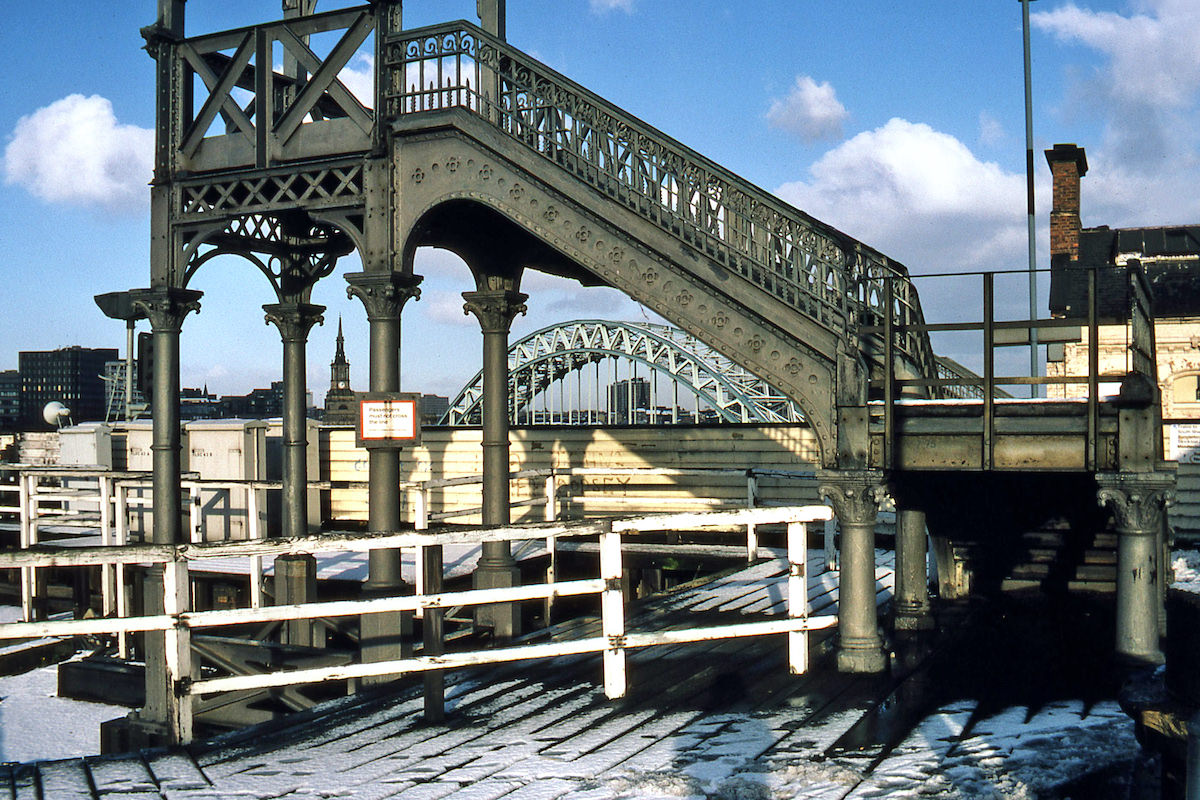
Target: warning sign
(388, 419)
(1185, 443)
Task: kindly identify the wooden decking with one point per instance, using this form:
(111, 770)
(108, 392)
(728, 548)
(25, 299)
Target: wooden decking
(699, 720)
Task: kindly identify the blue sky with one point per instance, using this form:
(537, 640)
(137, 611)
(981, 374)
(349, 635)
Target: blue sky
(900, 123)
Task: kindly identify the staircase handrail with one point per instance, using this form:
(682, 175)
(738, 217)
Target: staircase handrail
(825, 274)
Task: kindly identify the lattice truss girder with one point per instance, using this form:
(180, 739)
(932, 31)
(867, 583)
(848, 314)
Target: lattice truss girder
(553, 353)
(337, 185)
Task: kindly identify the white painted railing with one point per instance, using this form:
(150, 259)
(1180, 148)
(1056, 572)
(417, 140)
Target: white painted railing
(179, 621)
(108, 501)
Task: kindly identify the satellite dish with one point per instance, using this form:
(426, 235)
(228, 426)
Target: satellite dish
(55, 413)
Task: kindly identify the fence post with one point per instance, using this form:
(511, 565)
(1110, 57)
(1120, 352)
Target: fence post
(28, 577)
(430, 572)
(551, 499)
(108, 572)
(178, 660)
(612, 614)
(797, 597)
(751, 489)
(831, 553)
(421, 512)
(121, 538)
(194, 509)
(254, 533)
(551, 572)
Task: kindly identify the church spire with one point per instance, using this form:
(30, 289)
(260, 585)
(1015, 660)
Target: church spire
(340, 356)
(339, 402)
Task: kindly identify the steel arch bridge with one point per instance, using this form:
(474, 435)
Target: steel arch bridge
(556, 352)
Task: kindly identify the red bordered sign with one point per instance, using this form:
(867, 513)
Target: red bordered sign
(388, 419)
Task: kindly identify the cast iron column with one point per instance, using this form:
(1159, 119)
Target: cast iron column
(294, 321)
(295, 575)
(1137, 502)
(495, 308)
(384, 636)
(912, 573)
(855, 496)
(165, 307)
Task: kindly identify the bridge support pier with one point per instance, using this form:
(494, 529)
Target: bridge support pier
(1137, 502)
(495, 305)
(911, 606)
(855, 496)
(384, 637)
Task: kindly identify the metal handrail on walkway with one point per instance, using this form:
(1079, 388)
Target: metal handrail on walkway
(178, 620)
(1136, 315)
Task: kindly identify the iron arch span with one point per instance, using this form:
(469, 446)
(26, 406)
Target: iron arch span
(551, 354)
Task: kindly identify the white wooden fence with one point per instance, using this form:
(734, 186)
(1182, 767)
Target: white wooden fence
(178, 621)
(105, 500)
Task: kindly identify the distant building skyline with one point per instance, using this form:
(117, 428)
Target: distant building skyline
(73, 376)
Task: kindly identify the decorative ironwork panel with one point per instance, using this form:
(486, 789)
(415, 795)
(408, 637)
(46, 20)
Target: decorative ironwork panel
(328, 186)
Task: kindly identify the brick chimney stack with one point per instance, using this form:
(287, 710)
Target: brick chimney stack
(1068, 164)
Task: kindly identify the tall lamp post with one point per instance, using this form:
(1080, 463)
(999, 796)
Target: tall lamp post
(1033, 332)
(118, 305)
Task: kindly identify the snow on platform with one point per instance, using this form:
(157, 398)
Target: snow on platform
(716, 720)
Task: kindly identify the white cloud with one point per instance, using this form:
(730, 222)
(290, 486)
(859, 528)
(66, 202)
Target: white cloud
(919, 196)
(1153, 59)
(74, 151)
(601, 6)
(1146, 94)
(811, 110)
(991, 130)
(359, 77)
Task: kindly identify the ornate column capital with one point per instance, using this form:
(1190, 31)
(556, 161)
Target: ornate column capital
(495, 308)
(165, 306)
(294, 320)
(1137, 500)
(855, 495)
(383, 293)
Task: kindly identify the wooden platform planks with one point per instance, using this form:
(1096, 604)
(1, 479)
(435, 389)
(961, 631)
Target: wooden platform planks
(534, 729)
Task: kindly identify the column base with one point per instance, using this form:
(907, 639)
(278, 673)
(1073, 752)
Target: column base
(860, 659)
(384, 637)
(913, 621)
(502, 619)
(1154, 658)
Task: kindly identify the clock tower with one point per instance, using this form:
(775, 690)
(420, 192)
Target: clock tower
(339, 401)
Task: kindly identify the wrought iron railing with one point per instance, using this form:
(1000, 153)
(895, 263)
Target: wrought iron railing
(822, 273)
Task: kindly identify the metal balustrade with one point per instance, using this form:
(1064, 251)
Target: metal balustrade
(815, 269)
(1136, 318)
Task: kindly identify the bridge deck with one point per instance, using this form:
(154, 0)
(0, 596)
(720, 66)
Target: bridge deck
(717, 720)
(1011, 434)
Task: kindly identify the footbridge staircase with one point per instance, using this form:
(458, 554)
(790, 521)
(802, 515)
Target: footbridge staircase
(487, 152)
(605, 198)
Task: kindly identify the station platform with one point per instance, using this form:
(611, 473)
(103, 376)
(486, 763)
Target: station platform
(707, 720)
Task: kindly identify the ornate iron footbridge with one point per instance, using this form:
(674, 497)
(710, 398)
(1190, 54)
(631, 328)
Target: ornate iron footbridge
(471, 145)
